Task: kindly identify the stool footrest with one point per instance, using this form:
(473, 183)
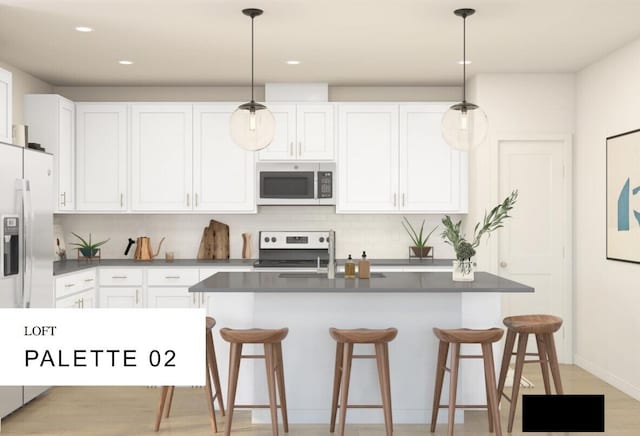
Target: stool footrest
(464, 406)
(253, 356)
(470, 356)
(364, 356)
(506, 397)
(253, 406)
(362, 406)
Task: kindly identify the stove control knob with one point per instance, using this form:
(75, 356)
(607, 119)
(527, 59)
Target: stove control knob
(273, 239)
(321, 239)
(266, 239)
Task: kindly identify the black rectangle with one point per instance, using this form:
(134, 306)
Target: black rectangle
(563, 413)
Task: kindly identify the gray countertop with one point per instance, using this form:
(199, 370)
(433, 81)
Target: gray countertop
(69, 266)
(390, 282)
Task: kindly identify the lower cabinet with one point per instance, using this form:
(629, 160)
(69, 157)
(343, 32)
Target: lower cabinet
(172, 298)
(121, 298)
(81, 300)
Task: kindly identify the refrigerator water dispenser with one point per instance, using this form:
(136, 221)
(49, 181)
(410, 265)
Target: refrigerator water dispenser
(10, 245)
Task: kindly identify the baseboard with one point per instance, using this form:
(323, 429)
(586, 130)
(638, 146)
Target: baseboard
(607, 376)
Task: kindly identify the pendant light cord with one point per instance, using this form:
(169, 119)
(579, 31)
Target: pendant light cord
(252, 99)
(464, 59)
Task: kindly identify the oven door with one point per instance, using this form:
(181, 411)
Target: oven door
(287, 187)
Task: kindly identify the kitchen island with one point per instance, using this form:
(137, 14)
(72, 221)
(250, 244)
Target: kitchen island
(309, 304)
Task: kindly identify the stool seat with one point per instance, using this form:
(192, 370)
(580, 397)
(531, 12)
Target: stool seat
(469, 336)
(211, 322)
(533, 323)
(253, 336)
(363, 336)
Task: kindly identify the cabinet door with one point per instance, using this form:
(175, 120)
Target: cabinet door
(172, 298)
(66, 154)
(223, 173)
(82, 300)
(433, 176)
(121, 298)
(6, 106)
(161, 157)
(315, 135)
(367, 158)
(284, 141)
(101, 156)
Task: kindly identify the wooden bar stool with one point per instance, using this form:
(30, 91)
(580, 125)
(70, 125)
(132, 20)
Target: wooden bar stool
(456, 337)
(272, 341)
(543, 326)
(344, 354)
(211, 371)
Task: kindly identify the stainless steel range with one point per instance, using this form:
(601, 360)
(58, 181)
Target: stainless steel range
(293, 250)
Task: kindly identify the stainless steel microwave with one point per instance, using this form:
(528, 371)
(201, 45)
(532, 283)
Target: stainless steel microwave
(309, 183)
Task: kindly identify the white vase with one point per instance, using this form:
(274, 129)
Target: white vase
(463, 271)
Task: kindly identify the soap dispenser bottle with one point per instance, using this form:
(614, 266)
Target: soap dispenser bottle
(349, 269)
(364, 267)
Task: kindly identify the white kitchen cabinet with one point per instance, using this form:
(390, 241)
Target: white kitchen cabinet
(433, 176)
(51, 121)
(81, 300)
(223, 173)
(172, 298)
(161, 164)
(75, 282)
(367, 158)
(303, 132)
(121, 297)
(101, 156)
(6, 106)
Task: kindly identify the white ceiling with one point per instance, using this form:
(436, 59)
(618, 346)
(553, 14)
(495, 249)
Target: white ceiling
(343, 42)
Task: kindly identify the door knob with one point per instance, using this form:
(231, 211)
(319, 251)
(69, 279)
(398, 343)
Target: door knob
(503, 264)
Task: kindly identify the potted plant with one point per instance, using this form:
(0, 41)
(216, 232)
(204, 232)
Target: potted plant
(465, 250)
(420, 247)
(87, 249)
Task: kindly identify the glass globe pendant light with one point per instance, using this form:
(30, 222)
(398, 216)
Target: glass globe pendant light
(252, 124)
(464, 125)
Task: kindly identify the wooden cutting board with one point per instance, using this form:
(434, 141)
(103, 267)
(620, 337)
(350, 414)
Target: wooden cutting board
(215, 241)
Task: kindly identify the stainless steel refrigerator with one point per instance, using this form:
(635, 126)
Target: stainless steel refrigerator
(26, 232)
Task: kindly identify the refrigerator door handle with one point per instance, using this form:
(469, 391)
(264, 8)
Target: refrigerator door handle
(28, 243)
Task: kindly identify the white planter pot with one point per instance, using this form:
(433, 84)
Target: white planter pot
(463, 271)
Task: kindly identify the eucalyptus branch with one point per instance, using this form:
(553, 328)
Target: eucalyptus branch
(493, 220)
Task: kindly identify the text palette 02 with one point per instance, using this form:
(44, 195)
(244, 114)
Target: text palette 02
(101, 347)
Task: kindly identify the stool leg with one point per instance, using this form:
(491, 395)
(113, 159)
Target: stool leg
(170, 401)
(337, 375)
(163, 397)
(209, 395)
(443, 350)
(542, 355)
(280, 375)
(382, 358)
(235, 355)
(453, 386)
(346, 375)
(522, 349)
(273, 404)
(506, 359)
(550, 347)
(492, 393)
(213, 366)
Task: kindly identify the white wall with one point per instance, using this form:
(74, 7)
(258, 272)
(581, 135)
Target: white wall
(607, 292)
(382, 236)
(23, 83)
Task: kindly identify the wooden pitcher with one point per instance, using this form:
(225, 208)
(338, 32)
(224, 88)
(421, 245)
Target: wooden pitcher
(143, 248)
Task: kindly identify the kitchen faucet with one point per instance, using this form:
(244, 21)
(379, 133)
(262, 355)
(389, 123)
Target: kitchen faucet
(331, 267)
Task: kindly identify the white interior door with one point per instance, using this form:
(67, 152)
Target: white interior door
(535, 244)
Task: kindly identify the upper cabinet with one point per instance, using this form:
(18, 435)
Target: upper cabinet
(392, 158)
(51, 121)
(223, 173)
(161, 147)
(6, 106)
(101, 156)
(303, 132)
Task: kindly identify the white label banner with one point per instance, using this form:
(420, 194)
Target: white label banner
(100, 347)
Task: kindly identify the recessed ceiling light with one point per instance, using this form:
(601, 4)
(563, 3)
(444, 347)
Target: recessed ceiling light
(293, 62)
(125, 62)
(84, 29)
(467, 62)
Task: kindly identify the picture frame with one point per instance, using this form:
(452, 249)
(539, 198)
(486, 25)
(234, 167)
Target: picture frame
(623, 197)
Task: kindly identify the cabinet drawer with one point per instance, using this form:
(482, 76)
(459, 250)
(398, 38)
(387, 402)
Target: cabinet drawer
(172, 276)
(120, 277)
(86, 280)
(77, 282)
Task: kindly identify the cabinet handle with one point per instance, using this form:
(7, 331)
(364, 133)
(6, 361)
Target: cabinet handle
(171, 277)
(299, 148)
(136, 296)
(188, 202)
(88, 280)
(193, 298)
(196, 199)
(291, 148)
(201, 298)
(77, 303)
(119, 277)
(403, 199)
(70, 285)
(395, 198)
(121, 200)
(82, 303)
(64, 199)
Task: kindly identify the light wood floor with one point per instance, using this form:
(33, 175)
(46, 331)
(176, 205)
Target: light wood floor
(81, 411)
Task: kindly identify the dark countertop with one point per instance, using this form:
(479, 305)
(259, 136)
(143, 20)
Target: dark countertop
(390, 282)
(69, 266)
